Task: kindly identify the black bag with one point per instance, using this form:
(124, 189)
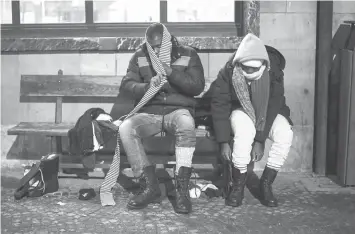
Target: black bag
(41, 179)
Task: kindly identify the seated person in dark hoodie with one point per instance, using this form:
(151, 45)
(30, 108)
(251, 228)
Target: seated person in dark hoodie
(251, 105)
(170, 110)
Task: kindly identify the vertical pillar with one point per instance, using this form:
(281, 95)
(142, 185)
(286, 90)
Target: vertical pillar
(323, 65)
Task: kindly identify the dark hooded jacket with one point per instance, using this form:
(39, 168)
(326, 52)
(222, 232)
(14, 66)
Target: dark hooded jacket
(81, 135)
(186, 80)
(224, 99)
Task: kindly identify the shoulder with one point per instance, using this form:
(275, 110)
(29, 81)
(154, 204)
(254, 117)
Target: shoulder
(186, 50)
(227, 70)
(139, 53)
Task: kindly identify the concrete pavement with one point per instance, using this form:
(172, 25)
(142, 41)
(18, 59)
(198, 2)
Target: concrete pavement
(307, 204)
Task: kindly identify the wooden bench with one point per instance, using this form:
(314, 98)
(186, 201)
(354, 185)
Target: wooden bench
(79, 89)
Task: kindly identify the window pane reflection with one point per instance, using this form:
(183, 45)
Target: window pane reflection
(6, 14)
(126, 11)
(200, 10)
(52, 11)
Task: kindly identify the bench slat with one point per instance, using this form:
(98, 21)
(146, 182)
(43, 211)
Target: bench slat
(70, 86)
(60, 129)
(41, 128)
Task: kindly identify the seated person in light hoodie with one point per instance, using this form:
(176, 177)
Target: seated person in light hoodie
(248, 105)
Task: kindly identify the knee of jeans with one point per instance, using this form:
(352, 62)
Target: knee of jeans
(126, 128)
(185, 131)
(185, 123)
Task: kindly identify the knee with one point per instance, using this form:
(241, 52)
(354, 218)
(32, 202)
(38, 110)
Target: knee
(185, 131)
(126, 128)
(282, 132)
(185, 124)
(242, 125)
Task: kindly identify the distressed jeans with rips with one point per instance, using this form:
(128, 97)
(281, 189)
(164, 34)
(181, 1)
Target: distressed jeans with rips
(179, 123)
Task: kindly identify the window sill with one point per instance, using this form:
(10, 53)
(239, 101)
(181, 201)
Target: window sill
(117, 30)
(107, 44)
(124, 37)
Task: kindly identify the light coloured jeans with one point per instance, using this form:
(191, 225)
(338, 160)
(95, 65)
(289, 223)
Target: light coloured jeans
(280, 134)
(179, 123)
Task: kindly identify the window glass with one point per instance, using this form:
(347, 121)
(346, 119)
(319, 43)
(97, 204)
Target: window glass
(200, 10)
(52, 11)
(6, 13)
(126, 11)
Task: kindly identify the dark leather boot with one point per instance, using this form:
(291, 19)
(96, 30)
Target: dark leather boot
(266, 196)
(149, 191)
(236, 195)
(183, 204)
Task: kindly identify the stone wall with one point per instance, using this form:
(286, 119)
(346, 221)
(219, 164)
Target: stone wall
(290, 26)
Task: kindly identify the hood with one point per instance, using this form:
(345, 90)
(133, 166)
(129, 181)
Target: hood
(276, 55)
(251, 48)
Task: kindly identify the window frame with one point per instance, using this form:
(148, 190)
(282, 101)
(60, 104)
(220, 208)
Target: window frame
(91, 29)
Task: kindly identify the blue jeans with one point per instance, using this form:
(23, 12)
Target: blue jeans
(179, 123)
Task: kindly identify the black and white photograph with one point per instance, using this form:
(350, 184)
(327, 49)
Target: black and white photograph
(177, 116)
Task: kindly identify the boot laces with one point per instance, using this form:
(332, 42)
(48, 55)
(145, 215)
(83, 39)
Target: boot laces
(142, 186)
(182, 186)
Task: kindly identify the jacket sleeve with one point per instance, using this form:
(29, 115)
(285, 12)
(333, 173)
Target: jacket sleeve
(191, 81)
(276, 102)
(132, 82)
(221, 106)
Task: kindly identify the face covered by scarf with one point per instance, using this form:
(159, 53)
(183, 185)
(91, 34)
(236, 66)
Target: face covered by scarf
(253, 69)
(250, 61)
(158, 36)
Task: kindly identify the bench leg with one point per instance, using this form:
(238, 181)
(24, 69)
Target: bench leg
(56, 144)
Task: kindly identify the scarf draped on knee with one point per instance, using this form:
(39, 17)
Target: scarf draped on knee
(106, 195)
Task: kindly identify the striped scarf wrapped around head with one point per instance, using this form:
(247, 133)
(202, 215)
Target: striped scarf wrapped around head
(164, 53)
(164, 56)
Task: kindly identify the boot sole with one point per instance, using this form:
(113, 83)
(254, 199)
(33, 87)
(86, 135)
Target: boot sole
(156, 201)
(265, 203)
(182, 211)
(233, 204)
